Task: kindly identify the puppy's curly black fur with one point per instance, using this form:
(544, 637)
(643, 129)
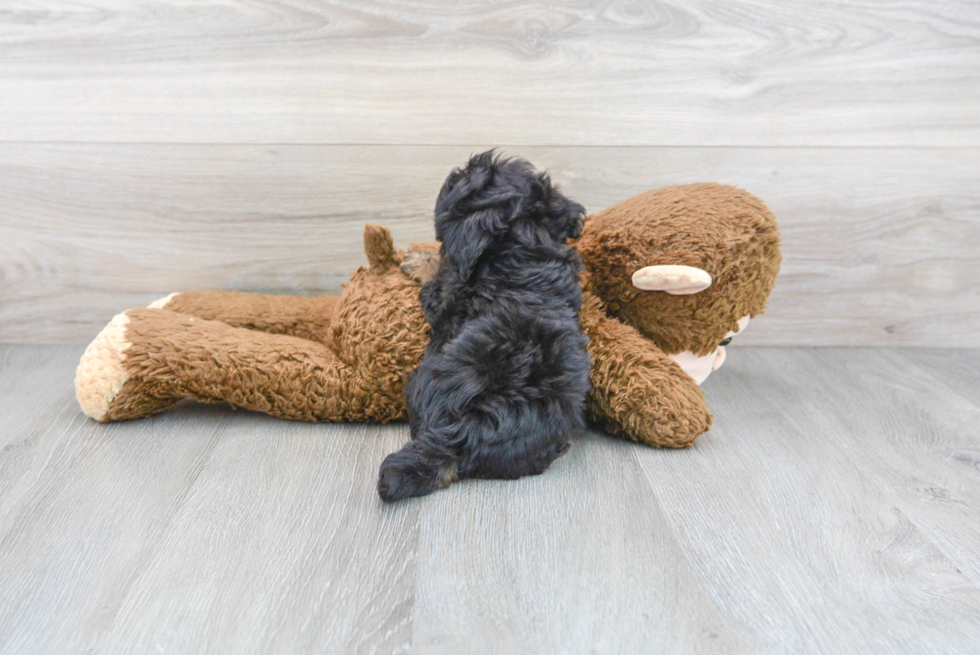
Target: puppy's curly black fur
(503, 382)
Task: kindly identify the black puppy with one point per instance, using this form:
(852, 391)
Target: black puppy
(504, 379)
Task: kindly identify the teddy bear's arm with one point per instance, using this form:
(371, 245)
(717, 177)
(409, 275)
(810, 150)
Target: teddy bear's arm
(637, 391)
(307, 317)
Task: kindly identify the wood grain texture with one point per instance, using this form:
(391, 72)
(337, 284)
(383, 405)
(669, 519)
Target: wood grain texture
(749, 72)
(120, 538)
(83, 508)
(927, 422)
(957, 370)
(881, 246)
(579, 560)
(832, 508)
(285, 546)
(795, 508)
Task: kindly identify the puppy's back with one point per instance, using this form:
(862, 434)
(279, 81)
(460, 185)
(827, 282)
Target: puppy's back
(504, 379)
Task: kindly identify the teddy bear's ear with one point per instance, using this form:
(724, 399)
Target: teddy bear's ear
(674, 279)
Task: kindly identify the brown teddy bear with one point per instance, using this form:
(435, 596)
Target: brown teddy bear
(671, 275)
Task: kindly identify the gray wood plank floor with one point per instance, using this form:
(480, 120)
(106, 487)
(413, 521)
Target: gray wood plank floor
(834, 507)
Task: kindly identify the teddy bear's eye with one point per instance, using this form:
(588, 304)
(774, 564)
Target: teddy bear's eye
(725, 341)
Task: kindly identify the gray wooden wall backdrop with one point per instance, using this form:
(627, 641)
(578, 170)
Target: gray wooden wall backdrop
(151, 146)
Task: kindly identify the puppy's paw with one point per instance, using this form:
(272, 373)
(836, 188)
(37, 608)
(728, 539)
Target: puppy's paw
(400, 479)
(420, 265)
(408, 473)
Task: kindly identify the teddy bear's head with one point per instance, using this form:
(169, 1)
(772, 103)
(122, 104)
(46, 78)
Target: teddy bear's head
(688, 266)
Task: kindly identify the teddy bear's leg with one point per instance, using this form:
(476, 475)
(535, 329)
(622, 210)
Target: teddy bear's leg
(146, 359)
(307, 317)
(638, 391)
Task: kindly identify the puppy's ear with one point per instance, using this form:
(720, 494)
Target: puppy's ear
(475, 206)
(565, 216)
(466, 239)
(574, 218)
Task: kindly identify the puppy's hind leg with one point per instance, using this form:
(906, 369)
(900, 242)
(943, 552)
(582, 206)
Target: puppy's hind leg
(418, 469)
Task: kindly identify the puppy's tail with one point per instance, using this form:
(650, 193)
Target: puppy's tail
(415, 470)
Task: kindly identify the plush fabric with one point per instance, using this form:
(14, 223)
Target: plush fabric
(346, 358)
(254, 351)
(720, 229)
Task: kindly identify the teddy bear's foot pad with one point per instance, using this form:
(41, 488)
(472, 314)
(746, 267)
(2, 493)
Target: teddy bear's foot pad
(101, 374)
(103, 382)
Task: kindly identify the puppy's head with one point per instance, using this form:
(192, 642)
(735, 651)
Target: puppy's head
(493, 197)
